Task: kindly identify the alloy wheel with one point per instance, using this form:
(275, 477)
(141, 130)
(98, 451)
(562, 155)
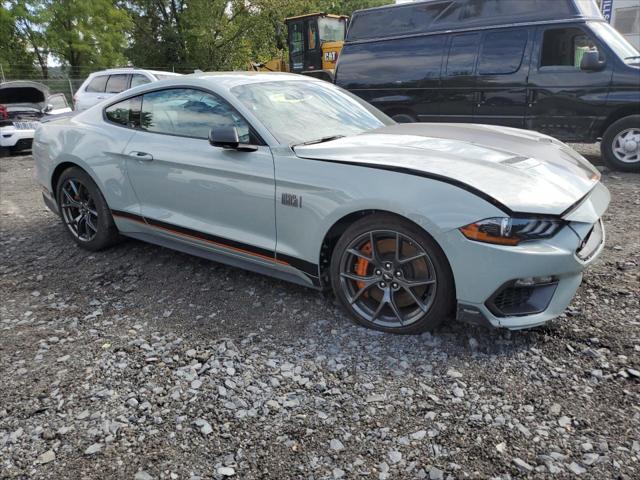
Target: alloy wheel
(79, 210)
(626, 145)
(388, 278)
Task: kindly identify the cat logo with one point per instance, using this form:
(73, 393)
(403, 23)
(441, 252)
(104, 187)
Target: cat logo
(330, 56)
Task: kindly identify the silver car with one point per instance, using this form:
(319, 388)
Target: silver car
(410, 224)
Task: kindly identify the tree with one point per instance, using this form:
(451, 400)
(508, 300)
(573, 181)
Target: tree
(82, 34)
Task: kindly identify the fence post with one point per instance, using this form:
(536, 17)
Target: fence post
(71, 91)
(2, 72)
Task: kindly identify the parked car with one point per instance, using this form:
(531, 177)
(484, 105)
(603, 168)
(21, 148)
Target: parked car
(105, 84)
(294, 177)
(554, 66)
(23, 105)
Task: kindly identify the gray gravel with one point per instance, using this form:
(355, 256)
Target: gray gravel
(143, 363)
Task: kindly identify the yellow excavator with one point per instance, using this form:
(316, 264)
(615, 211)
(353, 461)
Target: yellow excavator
(314, 42)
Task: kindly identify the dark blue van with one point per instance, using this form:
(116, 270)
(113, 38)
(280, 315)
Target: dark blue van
(555, 66)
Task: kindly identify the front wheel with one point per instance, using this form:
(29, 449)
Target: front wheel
(621, 144)
(84, 210)
(391, 276)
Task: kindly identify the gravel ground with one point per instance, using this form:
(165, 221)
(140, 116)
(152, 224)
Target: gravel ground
(143, 363)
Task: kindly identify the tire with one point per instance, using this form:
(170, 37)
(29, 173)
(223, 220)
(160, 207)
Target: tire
(403, 118)
(4, 152)
(620, 134)
(375, 286)
(77, 195)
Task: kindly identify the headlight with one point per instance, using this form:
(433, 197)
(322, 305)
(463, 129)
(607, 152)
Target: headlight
(511, 231)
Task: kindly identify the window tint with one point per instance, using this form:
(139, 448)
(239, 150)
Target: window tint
(125, 113)
(564, 47)
(97, 84)
(502, 52)
(117, 83)
(462, 54)
(189, 113)
(395, 21)
(312, 33)
(138, 79)
(297, 40)
(393, 64)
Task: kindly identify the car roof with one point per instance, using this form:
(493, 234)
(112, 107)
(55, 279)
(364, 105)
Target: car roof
(228, 80)
(132, 70)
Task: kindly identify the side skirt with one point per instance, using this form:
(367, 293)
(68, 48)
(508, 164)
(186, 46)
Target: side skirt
(286, 268)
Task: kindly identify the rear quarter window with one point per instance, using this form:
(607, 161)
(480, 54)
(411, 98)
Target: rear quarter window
(125, 113)
(401, 63)
(97, 84)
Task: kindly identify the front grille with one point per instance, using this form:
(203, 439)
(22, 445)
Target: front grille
(515, 300)
(26, 125)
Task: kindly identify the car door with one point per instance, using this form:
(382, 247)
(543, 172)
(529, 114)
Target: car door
(564, 101)
(190, 190)
(458, 87)
(93, 92)
(503, 66)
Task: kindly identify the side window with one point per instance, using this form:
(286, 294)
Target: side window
(297, 39)
(97, 84)
(462, 54)
(57, 101)
(312, 33)
(502, 52)
(117, 83)
(189, 113)
(564, 47)
(137, 79)
(126, 113)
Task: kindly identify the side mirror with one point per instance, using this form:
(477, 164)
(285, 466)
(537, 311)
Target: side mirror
(227, 137)
(48, 108)
(591, 61)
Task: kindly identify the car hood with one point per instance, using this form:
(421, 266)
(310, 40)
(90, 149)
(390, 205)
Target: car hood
(29, 94)
(518, 170)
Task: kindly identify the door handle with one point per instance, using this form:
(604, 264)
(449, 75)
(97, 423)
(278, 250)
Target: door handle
(142, 156)
(532, 98)
(101, 98)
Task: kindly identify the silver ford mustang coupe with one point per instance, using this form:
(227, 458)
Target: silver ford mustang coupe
(410, 224)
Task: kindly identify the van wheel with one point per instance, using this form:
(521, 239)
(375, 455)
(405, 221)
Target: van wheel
(620, 145)
(4, 152)
(404, 118)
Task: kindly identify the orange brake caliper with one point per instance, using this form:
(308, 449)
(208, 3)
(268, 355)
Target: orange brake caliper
(362, 264)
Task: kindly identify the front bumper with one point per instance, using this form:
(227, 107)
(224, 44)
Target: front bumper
(11, 137)
(482, 271)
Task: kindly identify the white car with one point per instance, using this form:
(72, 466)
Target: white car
(105, 84)
(23, 105)
(294, 177)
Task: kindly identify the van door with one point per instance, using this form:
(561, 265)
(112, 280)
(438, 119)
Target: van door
(458, 92)
(502, 71)
(565, 101)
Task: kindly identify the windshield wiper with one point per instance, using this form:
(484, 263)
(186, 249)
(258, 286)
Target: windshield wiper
(319, 140)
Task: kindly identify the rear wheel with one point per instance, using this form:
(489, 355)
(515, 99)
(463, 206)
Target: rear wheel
(621, 144)
(4, 152)
(84, 210)
(391, 276)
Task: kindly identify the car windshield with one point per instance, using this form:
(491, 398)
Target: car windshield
(616, 41)
(299, 111)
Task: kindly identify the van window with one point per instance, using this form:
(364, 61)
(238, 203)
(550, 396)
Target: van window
(502, 52)
(97, 84)
(564, 47)
(395, 21)
(462, 54)
(401, 63)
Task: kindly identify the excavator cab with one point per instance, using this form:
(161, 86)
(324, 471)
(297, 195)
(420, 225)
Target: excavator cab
(315, 41)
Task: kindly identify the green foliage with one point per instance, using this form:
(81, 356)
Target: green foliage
(180, 35)
(16, 59)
